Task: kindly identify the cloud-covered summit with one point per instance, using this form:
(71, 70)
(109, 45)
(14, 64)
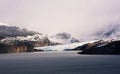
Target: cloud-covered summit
(109, 31)
(54, 16)
(13, 31)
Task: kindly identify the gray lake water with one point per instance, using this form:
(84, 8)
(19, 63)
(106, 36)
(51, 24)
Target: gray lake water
(64, 62)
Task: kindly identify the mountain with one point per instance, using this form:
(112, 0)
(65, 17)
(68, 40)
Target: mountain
(13, 31)
(105, 32)
(110, 31)
(108, 41)
(16, 39)
(63, 38)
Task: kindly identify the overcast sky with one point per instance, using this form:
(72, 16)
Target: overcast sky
(52, 16)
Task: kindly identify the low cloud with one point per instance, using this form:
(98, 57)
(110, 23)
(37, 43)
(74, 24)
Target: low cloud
(77, 17)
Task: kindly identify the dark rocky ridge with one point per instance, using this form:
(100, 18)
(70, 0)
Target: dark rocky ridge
(16, 48)
(22, 46)
(100, 47)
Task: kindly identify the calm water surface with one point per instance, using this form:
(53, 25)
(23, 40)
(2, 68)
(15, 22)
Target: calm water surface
(64, 62)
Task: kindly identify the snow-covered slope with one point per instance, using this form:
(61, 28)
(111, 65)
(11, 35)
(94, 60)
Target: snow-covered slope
(36, 37)
(63, 38)
(12, 31)
(13, 34)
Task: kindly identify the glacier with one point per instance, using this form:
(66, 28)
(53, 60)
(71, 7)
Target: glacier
(65, 47)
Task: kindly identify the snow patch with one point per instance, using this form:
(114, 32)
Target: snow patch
(3, 24)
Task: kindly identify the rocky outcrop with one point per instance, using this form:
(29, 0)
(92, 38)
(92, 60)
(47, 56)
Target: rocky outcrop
(39, 43)
(16, 48)
(100, 47)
